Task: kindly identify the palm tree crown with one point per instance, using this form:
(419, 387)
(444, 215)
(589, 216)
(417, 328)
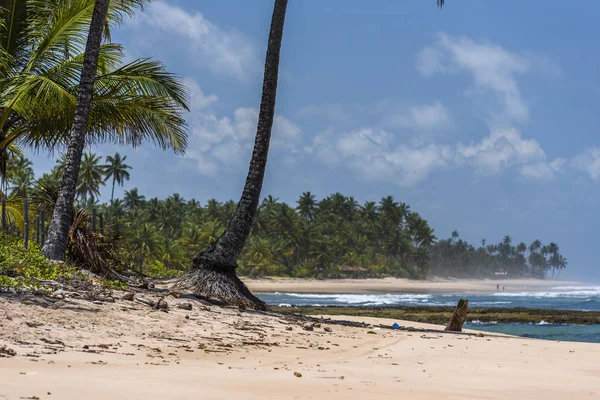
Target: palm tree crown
(116, 169)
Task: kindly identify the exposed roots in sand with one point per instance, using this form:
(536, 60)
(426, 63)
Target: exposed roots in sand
(220, 282)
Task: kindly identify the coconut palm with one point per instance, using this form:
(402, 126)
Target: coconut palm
(116, 169)
(132, 199)
(307, 205)
(48, 78)
(214, 267)
(90, 178)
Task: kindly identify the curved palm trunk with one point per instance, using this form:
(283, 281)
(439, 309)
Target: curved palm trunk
(213, 269)
(56, 242)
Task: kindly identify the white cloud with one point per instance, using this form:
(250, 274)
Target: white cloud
(493, 68)
(228, 141)
(373, 154)
(207, 44)
(503, 147)
(544, 171)
(425, 117)
(198, 100)
(588, 162)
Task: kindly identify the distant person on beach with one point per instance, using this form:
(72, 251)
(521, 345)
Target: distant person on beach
(503, 288)
(497, 287)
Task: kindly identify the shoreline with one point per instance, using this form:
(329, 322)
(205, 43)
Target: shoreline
(400, 285)
(133, 351)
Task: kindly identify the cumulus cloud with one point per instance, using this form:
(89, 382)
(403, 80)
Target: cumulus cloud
(588, 162)
(543, 171)
(220, 141)
(221, 51)
(424, 117)
(373, 154)
(503, 147)
(493, 68)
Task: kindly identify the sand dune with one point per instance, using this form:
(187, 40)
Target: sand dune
(75, 349)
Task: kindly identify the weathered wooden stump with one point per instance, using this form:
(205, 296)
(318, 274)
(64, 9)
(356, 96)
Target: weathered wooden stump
(459, 316)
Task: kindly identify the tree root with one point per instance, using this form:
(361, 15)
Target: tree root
(219, 282)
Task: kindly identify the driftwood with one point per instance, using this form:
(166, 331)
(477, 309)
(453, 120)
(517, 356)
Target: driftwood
(459, 316)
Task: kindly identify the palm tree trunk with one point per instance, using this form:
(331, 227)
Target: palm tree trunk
(112, 194)
(213, 269)
(56, 243)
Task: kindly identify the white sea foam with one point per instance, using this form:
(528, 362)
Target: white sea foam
(559, 291)
(362, 299)
(478, 322)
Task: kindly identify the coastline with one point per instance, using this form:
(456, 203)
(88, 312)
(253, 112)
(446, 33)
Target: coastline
(398, 285)
(74, 349)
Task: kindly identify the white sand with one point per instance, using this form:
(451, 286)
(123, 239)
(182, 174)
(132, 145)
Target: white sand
(395, 285)
(139, 353)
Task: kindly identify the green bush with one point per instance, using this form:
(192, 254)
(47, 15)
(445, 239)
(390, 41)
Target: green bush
(17, 262)
(158, 270)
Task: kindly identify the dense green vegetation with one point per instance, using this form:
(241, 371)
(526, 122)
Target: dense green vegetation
(333, 237)
(19, 267)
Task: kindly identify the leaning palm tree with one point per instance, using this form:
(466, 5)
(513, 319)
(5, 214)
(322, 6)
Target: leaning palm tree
(43, 61)
(56, 244)
(214, 268)
(116, 169)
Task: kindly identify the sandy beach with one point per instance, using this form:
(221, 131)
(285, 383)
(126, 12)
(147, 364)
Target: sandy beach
(395, 285)
(74, 349)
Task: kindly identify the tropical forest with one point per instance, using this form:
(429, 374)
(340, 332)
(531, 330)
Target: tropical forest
(331, 237)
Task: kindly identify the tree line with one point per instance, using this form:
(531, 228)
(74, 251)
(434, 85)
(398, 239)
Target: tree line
(330, 238)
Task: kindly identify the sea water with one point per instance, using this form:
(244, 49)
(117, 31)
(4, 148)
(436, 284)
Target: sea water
(586, 298)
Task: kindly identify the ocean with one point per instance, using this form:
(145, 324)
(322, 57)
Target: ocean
(586, 298)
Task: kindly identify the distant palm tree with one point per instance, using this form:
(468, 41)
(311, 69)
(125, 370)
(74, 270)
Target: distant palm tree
(90, 178)
(132, 199)
(116, 169)
(307, 205)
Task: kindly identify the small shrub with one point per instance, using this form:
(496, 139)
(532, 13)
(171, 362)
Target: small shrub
(158, 270)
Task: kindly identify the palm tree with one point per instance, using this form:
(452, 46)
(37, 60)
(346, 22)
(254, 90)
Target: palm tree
(116, 169)
(133, 199)
(135, 101)
(307, 205)
(90, 178)
(214, 267)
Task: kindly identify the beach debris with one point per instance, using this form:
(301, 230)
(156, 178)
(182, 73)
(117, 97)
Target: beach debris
(479, 334)
(459, 316)
(145, 301)
(162, 305)
(308, 326)
(7, 352)
(288, 328)
(174, 294)
(372, 332)
(395, 325)
(128, 296)
(297, 374)
(327, 329)
(316, 325)
(185, 306)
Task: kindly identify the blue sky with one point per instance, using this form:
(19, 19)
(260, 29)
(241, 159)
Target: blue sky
(481, 116)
